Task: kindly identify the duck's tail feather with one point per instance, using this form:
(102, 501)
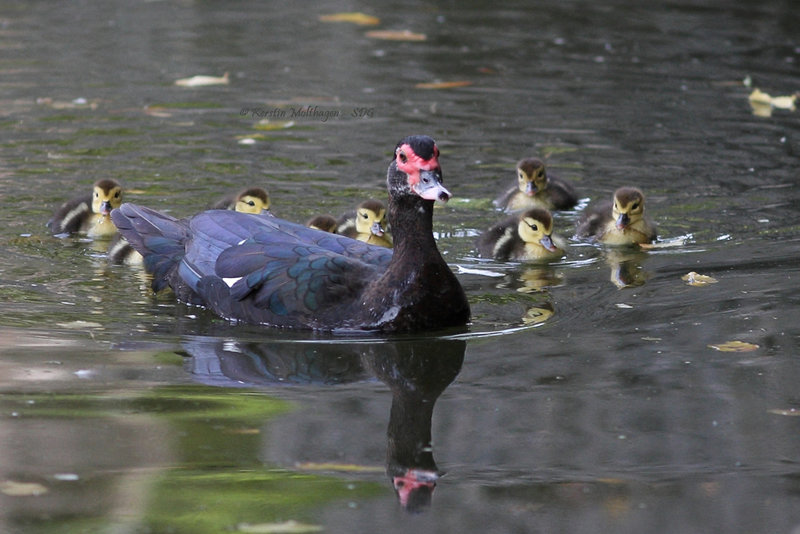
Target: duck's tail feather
(158, 237)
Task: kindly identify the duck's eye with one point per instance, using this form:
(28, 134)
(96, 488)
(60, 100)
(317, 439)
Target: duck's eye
(96, 194)
(635, 206)
(402, 157)
(251, 202)
(534, 227)
(364, 215)
(116, 195)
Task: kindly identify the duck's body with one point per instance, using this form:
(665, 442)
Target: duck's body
(89, 214)
(269, 271)
(535, 189)
(526, 237)
(621, 222)
(250, 200)
(367, 224)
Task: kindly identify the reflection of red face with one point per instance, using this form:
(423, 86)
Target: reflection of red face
(411, 482)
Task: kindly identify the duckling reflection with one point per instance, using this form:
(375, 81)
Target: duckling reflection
(416, 371)
(626, 267)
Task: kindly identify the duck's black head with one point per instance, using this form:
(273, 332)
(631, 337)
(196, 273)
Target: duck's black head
(415, 170)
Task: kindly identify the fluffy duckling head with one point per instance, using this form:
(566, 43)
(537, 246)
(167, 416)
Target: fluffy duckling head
(532, 176)
(326, 223)
(628, 207)
(371, 218)
(252, 200)
(107, 195)
(536, 227)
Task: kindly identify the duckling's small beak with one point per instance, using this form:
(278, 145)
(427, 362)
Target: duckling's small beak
(105, 208)
(547, 243)
(623, 221)
(531, 189)
(377, 229)
(430, 186)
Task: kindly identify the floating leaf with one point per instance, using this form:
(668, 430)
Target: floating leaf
(698, 280)
(734, 346)
(202, 80)
(291, 527)
(361, 19)
(394, 35)
(157, 111)
(267, 126)
(763, 104)
(443, 85)
(80, 324)
(791, 412)
(332, 466)
(536, 315)
(22, 489)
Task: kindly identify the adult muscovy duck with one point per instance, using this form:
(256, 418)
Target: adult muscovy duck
(265, 270)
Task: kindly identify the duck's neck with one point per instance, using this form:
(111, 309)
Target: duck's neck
(411, 219)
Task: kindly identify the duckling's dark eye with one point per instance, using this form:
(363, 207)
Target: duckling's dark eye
(534, 227)
(402, 156)
(635, 206)
(364, 215)
(96, 194)
(116, 195)
(251, 202)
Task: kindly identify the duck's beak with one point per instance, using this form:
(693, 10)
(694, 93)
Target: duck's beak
(623, 221)
(105, 208)
(377, 229)
(547, 243)
(531, 189)
(430, 186)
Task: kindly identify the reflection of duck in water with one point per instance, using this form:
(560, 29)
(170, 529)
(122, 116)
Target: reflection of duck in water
(417, 372)
(626, 267)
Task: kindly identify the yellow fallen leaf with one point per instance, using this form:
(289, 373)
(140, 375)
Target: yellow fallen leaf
(698, 280)
(331, 466)
(734, 346)
(22, 489)
(536, 315)
(443, 85)
(791, 412)
(361, 19)
(762, 103)
(394, 35)
(157, 111)
(202, 80)
(287, 527)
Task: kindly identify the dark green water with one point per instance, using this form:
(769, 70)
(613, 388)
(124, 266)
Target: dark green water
(121, 411)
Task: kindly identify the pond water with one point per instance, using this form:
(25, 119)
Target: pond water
(585, 396)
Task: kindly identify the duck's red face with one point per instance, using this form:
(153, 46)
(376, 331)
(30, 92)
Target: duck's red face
(423, 171)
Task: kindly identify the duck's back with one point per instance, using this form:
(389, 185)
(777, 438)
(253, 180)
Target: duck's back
(594, 220)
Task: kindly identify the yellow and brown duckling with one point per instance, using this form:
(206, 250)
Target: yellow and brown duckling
(89, 214)
(621, 222)
(525, 237)
(368, 224)
(535, 189)
(250, 200)
(326, 223)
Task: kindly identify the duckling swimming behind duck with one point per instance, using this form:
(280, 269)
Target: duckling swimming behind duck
(250, 200)
(524, 237)
(534, 189)
(89, 214)
(619, 223)
(326, 223)
(368, 224)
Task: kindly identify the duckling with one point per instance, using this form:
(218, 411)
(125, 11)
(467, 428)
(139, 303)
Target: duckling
(326, 223)
(368, 224)
(89, 214)
(534, 189)
(250, 200)
(619, 223)
(525, 237)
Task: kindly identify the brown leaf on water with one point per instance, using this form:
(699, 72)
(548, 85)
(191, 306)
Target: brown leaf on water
(536, 315)
(360, 19)
(443, 85)
(157, 111)
(396, 35)
(698, 280)
(21, 489)
(734, 346)
(791, 412)
(332, 466)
